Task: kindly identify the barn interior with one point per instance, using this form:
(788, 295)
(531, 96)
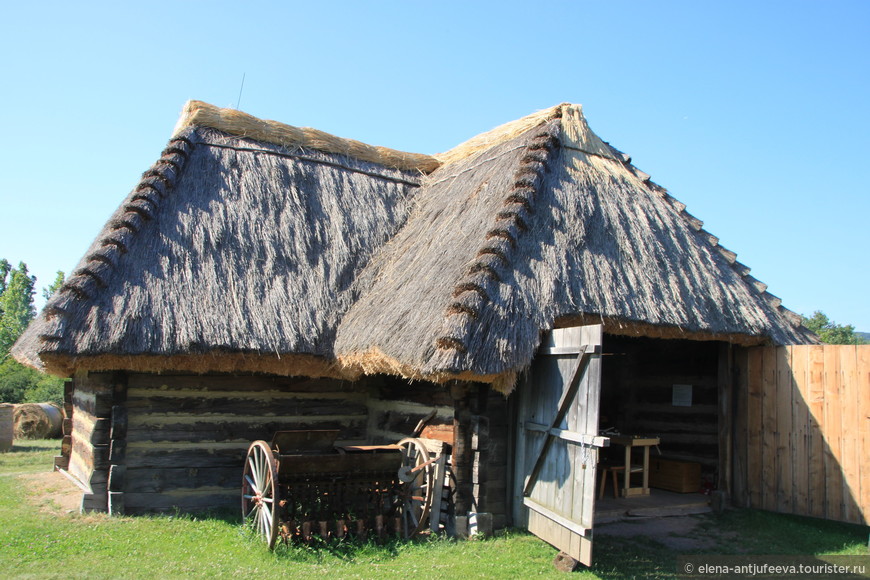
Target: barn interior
(665, 390)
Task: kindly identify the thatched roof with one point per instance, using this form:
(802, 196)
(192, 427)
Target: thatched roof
(252, 245)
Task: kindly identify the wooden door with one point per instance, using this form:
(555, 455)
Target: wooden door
(558, 441)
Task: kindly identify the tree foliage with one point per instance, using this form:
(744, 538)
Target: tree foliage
(16, 304)
(829, 331)
(20, 384)
(55, 286)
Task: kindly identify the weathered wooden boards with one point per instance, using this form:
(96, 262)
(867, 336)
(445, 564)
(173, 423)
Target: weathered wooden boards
(186, 436)
(557, 443)
(802, 422)
(146, 442)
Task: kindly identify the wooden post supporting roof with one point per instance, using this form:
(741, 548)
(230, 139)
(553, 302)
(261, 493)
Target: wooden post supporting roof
(463, 454)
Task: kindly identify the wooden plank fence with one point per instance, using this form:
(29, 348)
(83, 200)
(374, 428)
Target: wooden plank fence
(802, 431)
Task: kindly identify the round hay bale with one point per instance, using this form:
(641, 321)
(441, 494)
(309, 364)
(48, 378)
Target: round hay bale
(6, 424)
(38, 421)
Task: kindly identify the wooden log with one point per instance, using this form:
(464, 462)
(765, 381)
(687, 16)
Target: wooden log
(118, 451)
(117, 478)
(725, 419)
(740, 443)
(261, 406)
(211, 383)
(61, 462)
(115, 503)
(422, 393)
(463, 454)
(185, 500)
(118, 423)
(94, 502)
(754, 427)
(241, 429)
(161, 480)
(193, 455)
(68, 389)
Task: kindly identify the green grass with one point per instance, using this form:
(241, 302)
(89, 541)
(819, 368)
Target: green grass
(36, 542)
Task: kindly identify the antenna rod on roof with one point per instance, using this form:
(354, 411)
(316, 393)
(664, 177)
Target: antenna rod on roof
(238, 102)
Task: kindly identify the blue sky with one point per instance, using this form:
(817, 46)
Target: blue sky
(754, 114)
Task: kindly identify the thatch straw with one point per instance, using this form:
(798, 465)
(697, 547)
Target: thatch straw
(213, 362)
(37, 421)
(495, 253)
(253, 246)
(199, 114)
(227, 245)
(7, 423)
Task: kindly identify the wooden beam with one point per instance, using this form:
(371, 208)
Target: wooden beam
(463, 453)
(725, 388)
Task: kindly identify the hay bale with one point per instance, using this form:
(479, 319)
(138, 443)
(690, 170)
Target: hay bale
(37, 421)
(6, 411)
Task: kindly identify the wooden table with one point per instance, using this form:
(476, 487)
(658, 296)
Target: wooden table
(630, 442)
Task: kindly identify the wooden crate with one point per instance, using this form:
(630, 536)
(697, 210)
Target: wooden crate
(673, 475)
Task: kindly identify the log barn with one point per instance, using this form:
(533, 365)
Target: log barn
(262, 277)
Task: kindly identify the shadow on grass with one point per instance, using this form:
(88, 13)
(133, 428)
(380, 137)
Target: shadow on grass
(32, 448)
(736, 532)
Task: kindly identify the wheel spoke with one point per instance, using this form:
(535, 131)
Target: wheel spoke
(253, 485)
(267, 513)
(253, 471)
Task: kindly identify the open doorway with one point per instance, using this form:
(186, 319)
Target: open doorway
(660, 397)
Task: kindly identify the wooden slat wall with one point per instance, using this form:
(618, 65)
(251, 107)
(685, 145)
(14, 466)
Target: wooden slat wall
(802, 429)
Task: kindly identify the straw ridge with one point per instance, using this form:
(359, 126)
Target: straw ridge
(233, 122)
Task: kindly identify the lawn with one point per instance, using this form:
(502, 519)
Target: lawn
(39, 539)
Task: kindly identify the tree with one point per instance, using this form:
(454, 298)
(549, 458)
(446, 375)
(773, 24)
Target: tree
(4, 271)
(16, 304)
(829, 331)
(19, 384)
(55, 286)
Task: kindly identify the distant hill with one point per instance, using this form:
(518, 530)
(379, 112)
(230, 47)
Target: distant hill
(864, 335)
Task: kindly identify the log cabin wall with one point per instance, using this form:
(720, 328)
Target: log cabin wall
(490, 443)
(187, 435)
(396, 406)
(637, 395)
(92, 398)
(146, 442)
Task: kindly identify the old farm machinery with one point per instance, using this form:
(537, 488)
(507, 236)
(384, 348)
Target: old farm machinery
(301, 487)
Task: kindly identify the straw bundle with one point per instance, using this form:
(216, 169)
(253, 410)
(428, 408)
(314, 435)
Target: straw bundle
(37, 421)
(6, 426)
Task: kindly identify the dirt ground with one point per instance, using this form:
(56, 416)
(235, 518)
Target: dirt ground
(676, 532)
(53, 493)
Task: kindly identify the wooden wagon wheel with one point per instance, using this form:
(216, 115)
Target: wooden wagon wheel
(260, 492)
(416, 477)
